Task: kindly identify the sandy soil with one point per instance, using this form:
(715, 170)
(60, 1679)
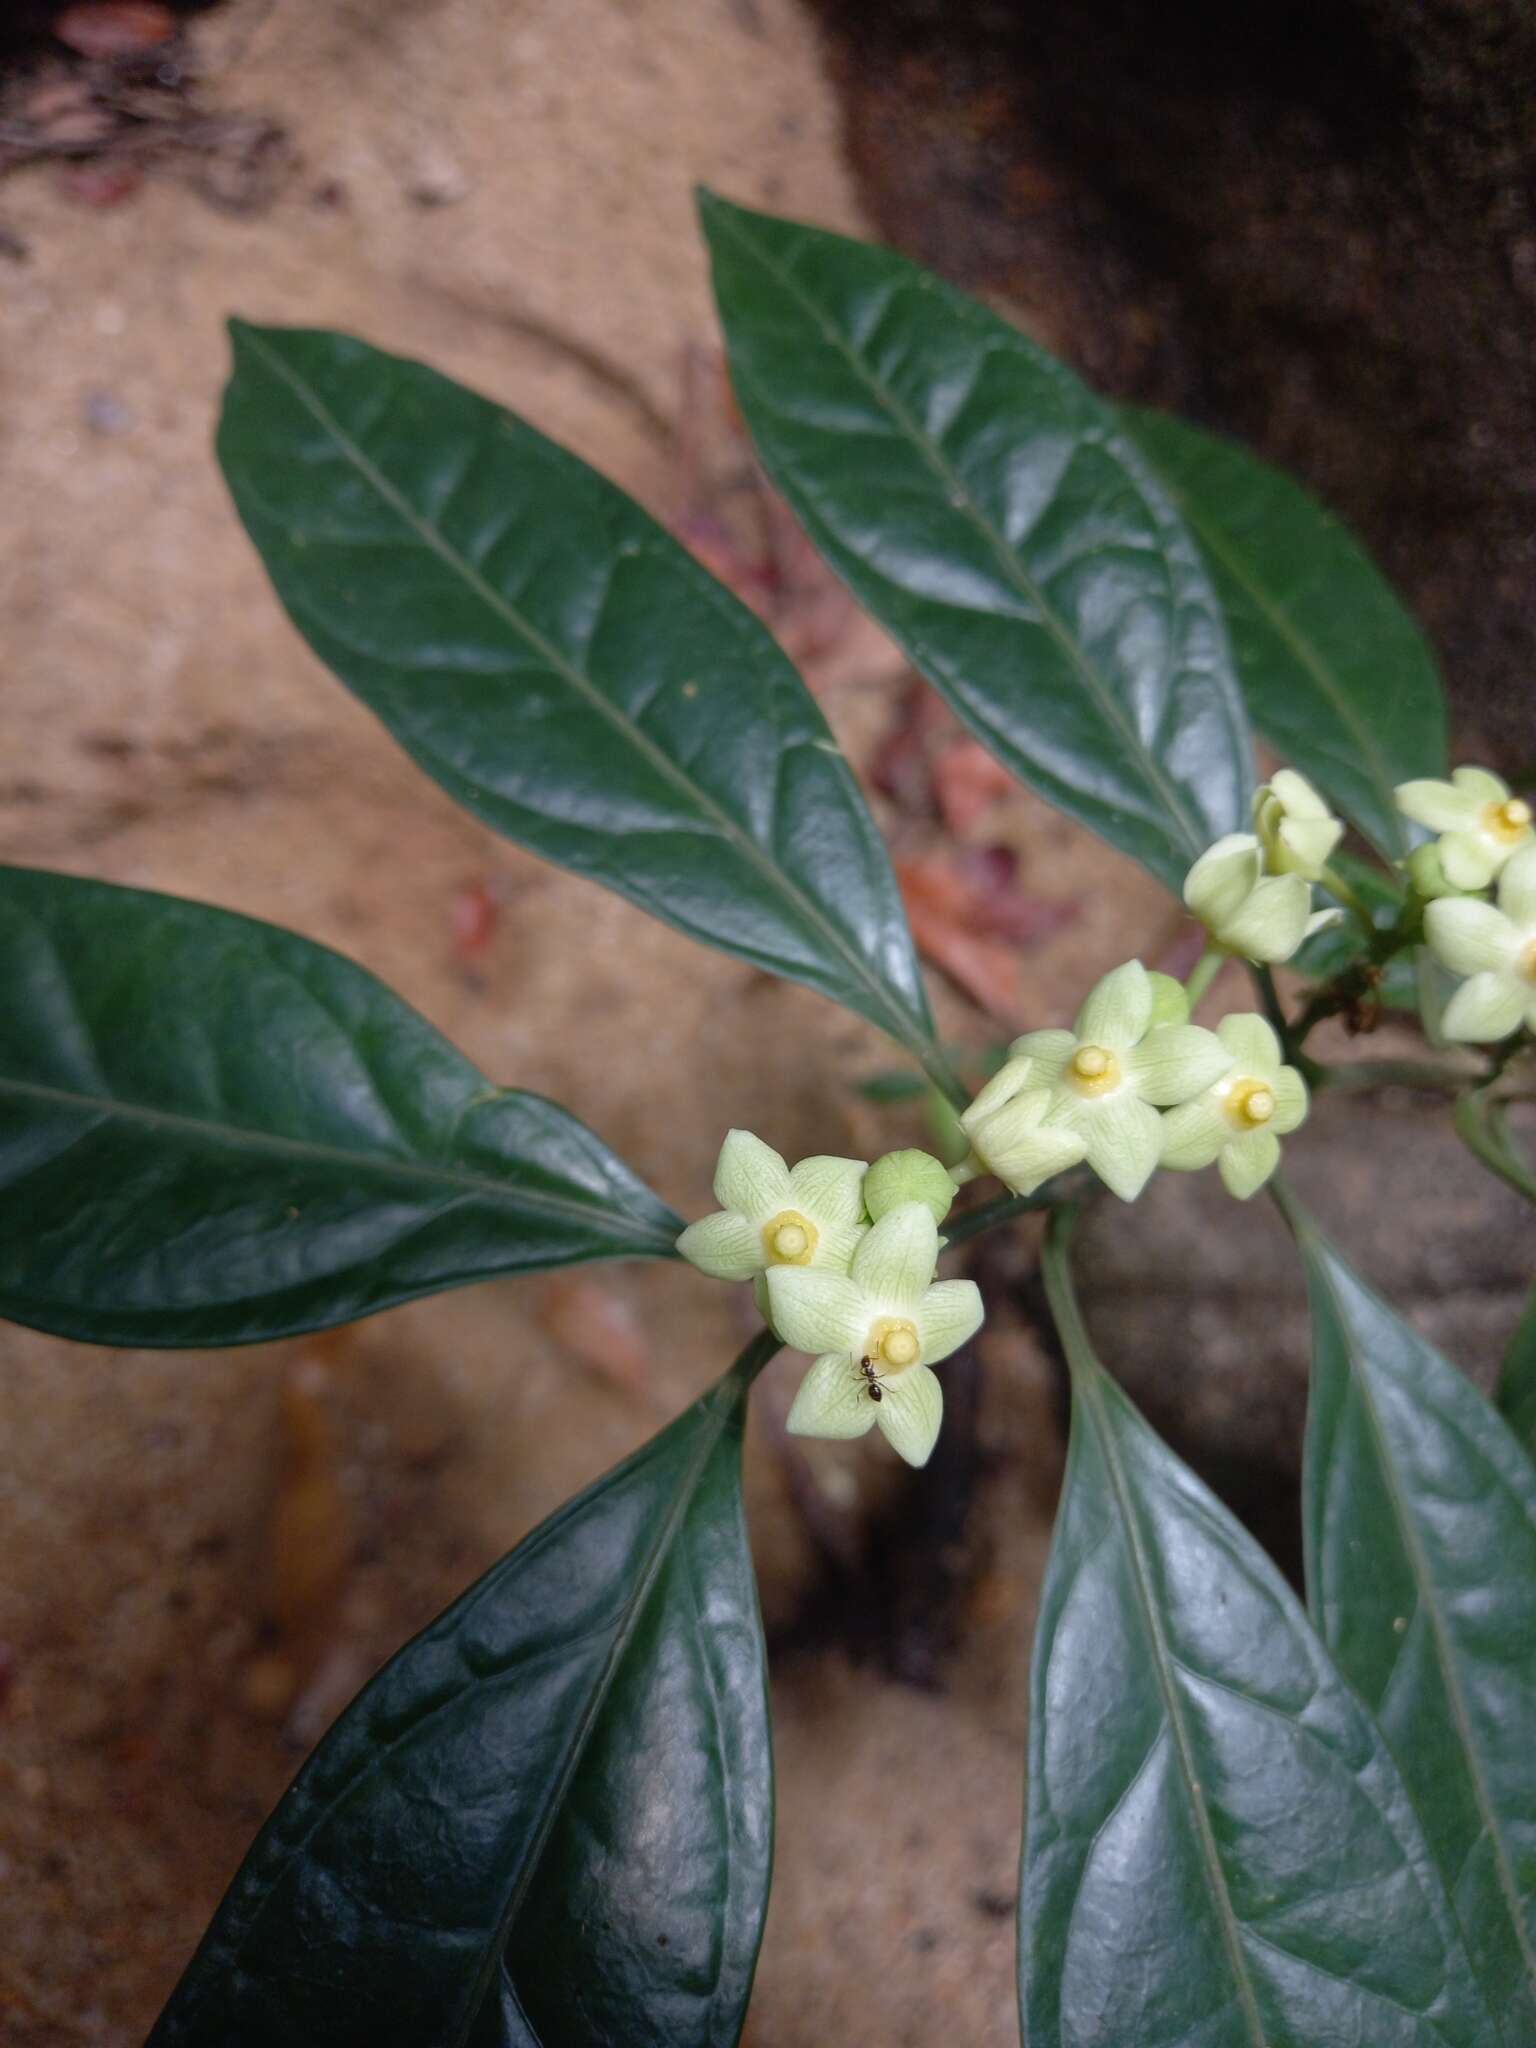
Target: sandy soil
(207, 1554)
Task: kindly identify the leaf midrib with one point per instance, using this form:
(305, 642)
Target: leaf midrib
(961, 499)
(1301, 646)
(779, 878)
(1091, 1389)
(460, 1179)
(1424, 1581)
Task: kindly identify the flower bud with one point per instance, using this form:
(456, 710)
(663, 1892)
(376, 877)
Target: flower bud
(1295, 827)
(909, 1176)
(1426, 871)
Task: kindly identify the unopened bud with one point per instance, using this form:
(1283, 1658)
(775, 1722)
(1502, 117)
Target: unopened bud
(909, 1176)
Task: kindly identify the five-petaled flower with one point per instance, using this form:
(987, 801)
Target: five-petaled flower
(877, 1330)
(1295, 827)
(1496, 947)
(770, 1214)
(1481, 825)
(1094, 1092)
(1239, 1121)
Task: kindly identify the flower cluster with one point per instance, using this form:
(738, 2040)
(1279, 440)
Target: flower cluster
(1253, 890)
(842, 1259)
(1486, 838)
(1134, 1085)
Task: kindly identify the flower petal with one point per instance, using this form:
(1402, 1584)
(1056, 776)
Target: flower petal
(1247, 1163)
(833, 1400)
(1193, 1134)
(1177, 1062)
(726, 1246)
(1517, 886)
(1442, 806)
(829, 1189)
(1252, 1043)
(1021, 1149)
(1480, 785)
(1012, 1076)
(1125, 1137)
(1048, 1050)
(1297, 796)
(1118, 1009)
(1468, 860)
(751, 1177)
(1308, 844)
(948, 1313)
(910, 1414)
(1219, 882)
(836, 1244)
(818, 1311)
(1468, 936)
(1269, 925)
(1170, 1005)
(1291, 1102)
(894, 1264)
(1488, 1006)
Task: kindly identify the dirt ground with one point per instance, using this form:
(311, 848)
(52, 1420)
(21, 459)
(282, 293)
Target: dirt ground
(206, 1554)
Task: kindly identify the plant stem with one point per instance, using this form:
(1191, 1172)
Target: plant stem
(1066, 1188)
(1056, 1271)
(1425, 1074)
(1203, 974)
(1353, 901)
(1480, 1126)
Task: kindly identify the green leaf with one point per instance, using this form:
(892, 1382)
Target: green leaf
(549, 1819)
(1219, 1849)
(1337, 676)
(1342, 946)
(1421, 1573)
(559, 664)
(213, 1131)
(988, 510)
(1517, 1379)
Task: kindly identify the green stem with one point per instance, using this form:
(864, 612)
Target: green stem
(1206, 968)
(1065, 1188)
(1480, 1126)
(1353, 902)
(1056, 1271)
(751, 1359)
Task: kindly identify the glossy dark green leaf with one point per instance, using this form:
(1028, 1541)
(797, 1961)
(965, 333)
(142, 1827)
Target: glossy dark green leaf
(1337, 675)
(1421, 1573)
(560, 664)
(988, 510)
(213, 1131)
(1342, 946)
(1517, 1379)
(1219, 1852)
(549, 1820)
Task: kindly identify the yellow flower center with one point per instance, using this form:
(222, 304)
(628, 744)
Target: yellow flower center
(893, 1342)
(1250, 1103)
(1527, 965)
(790, 1239)
(1508, 821)
(1094, 1070)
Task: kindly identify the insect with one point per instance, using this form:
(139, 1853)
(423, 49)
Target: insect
(872, 1378)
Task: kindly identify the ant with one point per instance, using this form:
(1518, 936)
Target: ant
(872, 1378)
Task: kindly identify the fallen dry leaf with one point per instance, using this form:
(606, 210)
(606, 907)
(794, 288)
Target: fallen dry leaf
(967, 782)
(114, 28)
(971, 919)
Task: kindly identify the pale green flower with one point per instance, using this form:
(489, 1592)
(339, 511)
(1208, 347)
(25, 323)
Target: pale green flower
(1426, 871)
(909, 1176)
(877, 1330)
(1296, 828)
(1094, 1092)
(1481, 825)
(1496, 947)
(770, 1214)
(1240, 1120)
(1262, 917)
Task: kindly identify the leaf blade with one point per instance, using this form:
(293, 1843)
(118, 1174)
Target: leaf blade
(928, 449)
(532, 1690)
(1336, 674)
(1517, 1379)
(248, 1181)
(1219, 1849)
(1421, 1567)
(565, 670)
